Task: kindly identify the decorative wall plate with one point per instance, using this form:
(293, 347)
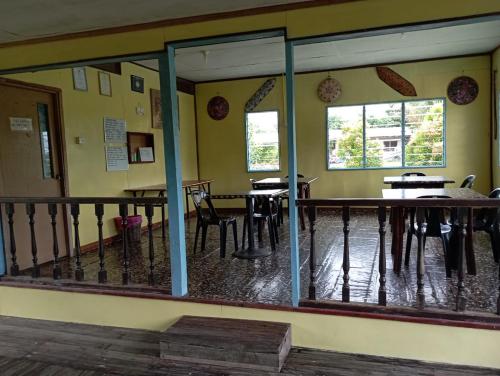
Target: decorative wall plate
(218, 108)
(463, 90)
(260, 94)
(329, 90)
(396, 82)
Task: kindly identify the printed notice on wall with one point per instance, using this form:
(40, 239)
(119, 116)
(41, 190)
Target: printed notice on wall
(21, 124)
(115, 131)
(116, 158)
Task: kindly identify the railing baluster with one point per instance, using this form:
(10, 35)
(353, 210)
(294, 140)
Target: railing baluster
(124, 215)
(14, 267)
(30, 211)
(498, 299)
(149, 214)
(311, 213)
(461, 300)
(382, 294)
(346, 262)
(102, 274)
(75, 212)
(420, 217)
(56, 272)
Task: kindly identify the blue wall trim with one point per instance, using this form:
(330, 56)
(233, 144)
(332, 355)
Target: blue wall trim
(171, 141)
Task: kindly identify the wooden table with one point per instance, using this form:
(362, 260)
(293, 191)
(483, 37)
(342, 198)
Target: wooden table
(251, 252)
(160, 190)
(399, 220)
(303, 189)
(397, 182)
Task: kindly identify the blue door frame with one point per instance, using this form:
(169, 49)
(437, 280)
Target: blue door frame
(173, 162)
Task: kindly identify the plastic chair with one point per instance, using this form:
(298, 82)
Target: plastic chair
(208, 217)
(487, 221)
(413, 174)
(264, 211)
(468, 181)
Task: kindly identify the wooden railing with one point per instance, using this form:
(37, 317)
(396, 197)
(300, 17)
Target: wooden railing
(463, 208)
(37, 207)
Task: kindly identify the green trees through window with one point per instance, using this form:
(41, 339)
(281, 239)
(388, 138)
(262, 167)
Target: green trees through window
(385, 135)
(262, 141)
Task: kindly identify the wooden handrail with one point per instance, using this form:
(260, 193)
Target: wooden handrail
(418, 202)
(84, 200)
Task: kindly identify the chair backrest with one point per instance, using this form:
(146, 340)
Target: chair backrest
(490, 215)
(468, 181)
(413, 174)
(298, 175)
(434, 217)
(199, 199)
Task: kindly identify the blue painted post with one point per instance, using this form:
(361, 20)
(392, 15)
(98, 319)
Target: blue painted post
(173, 169)
(292, 172)
(2, 248)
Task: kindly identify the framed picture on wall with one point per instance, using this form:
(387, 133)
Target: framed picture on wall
(137, 84)
(156, 120)
(80, 79)
(105, 84)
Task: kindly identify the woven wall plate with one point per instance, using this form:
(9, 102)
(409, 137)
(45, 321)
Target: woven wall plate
(329, 90)
(218, 108)
(463, 90)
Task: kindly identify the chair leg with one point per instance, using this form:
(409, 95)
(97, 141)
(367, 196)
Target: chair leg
(275, 227)
(223, 233)
(204, 229)
(494, 244)
(409, 236)
(271, 232)
(198, 225)
(243, 238)
(259, 230)
(235, 236)
(446, 247)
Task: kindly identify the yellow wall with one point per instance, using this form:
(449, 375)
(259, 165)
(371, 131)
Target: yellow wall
(83, 117)
(326, 19)
(467, 127)
(435, 343)
(495, 66)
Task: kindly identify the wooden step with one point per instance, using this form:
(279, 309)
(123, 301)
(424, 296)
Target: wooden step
(259, 345)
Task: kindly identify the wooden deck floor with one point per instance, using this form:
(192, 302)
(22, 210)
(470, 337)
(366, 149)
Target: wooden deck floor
(267, 280)
(35, 347)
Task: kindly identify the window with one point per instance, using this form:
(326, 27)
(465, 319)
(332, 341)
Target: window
(262, 141)
(386, 135)
(45, 144)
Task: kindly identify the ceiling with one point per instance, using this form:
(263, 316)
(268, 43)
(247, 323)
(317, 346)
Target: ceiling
(29, 19)
(266, 56)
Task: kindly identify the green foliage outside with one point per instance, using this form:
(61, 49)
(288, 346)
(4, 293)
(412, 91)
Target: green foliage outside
(350, 149)
(263, 157)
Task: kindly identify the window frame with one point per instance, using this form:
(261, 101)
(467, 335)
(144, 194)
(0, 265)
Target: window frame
(247, 143)
(403, 146)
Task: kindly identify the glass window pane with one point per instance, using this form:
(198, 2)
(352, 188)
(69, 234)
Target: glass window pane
(43, 122)
(383, 135)
(263, 141)
(345, 137)
(424, 133)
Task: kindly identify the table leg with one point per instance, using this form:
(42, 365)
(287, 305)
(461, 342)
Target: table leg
(209, 189)
(135, 205)
(251, 252)
(187, 201)
(397, 238)
(302, 194)
(163, 233)
(469, 248)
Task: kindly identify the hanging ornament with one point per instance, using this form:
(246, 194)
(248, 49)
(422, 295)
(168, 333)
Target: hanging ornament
(396, 82)
(463, 90)
(218, 108)
(329, 90)
(260, 94)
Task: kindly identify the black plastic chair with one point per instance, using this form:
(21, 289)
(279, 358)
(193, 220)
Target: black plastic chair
(487, 221)
(432, 228)
(413, 174)
(287, 198)
(468, 181)
(207, 216)
(298, 175)
(265, 210)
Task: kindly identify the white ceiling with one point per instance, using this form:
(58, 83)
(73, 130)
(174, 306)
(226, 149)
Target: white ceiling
(28, 19)
(266, 56)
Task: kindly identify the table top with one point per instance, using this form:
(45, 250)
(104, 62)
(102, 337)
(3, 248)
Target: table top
(252, 193)
(417, 180)
(465, 193)
(284, 181)
(163, 187)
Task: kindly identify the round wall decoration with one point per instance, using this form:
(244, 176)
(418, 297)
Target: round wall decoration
(463, 90)
(329, 90)
(218, 108)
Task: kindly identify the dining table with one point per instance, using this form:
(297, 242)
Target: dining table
(250, 196)
(160, 189)
(427, 181)
(399, 218)
(303, 190)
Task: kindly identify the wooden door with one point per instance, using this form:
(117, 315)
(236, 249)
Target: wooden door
(30, 166)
